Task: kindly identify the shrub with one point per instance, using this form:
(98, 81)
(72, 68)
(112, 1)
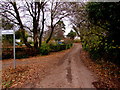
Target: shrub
(59, 47)
(77, 41)
(7, 55)
(67, 46)
(63, 46)
(44, 49)
(21, 55)
(68, 41)
(52, 47)
(56, 47)
(19, 49)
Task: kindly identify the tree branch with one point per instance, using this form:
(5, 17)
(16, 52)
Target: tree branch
(28, 8)
(9, 19)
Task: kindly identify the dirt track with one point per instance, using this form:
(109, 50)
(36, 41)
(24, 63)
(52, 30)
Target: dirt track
(61, 70)
(70, 73)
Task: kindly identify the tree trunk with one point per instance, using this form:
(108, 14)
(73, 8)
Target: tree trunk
(24, 39)
(41, 34)
(35, 34)
(35, 40)
(52, 29)
(21, 25)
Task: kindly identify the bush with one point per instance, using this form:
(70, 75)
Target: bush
(21, 55)
(68, 41)
(53, 47)
(77, 41)
(19, 49)
(68, 46)
(95, 54)
(62, 47)
(59, 47)
(7, 55)
(45, 49)
(100, 48)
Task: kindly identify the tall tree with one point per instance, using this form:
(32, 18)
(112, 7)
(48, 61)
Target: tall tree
(43, 22)
(78, 18)
(71, 34)
(107, 17)
(58, 12)
(58, 33)
(27, 17)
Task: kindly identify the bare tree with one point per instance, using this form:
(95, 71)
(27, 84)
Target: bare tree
(78, 17)
(43, 22)
(58, 33)
(58, 12)
(11, 12)
(27, 15)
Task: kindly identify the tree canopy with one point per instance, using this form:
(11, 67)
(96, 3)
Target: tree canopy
(104, 20)
(71, 34)
(32, 16)
(106, 16)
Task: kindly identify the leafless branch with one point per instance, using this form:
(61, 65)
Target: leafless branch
(9, 19)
